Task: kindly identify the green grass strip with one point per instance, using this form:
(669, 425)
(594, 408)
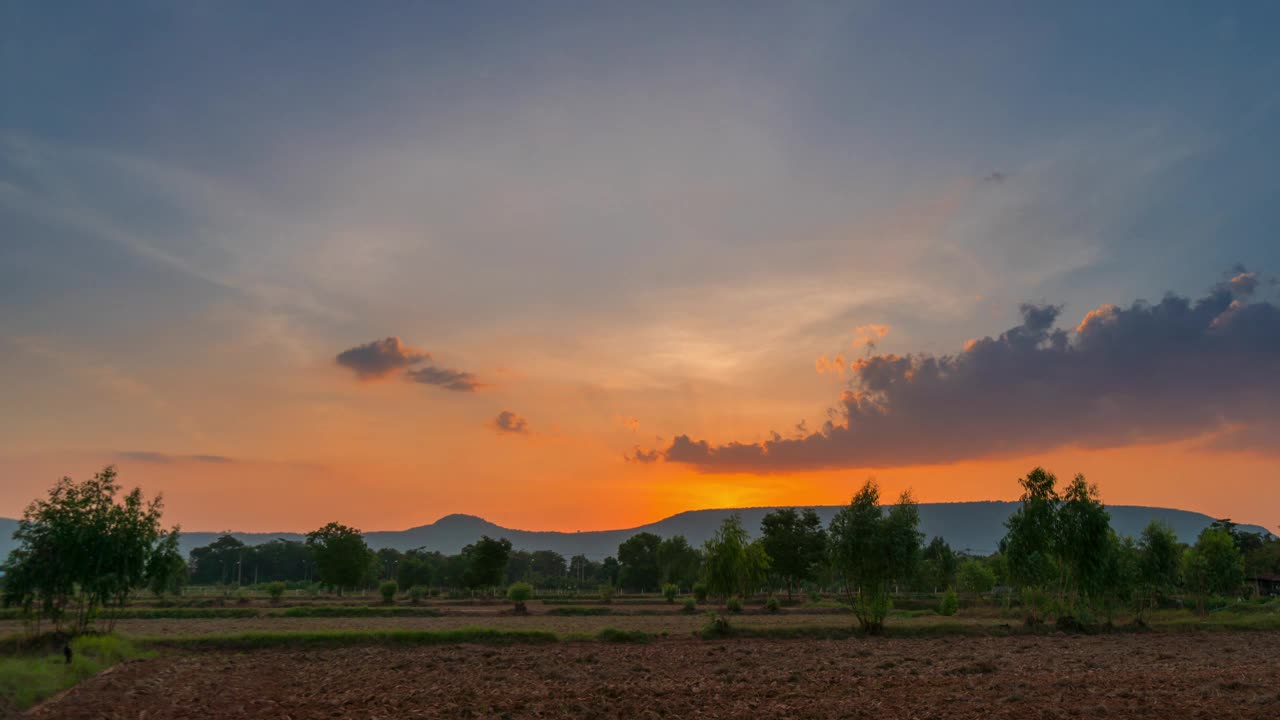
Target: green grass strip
(26, 679)
(347, 638)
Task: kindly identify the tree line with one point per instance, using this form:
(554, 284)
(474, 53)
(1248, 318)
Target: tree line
(84, 549)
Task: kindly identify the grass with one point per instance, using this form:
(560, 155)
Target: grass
(339, 611)
(30, 678)
(344, 638)
(578, 610)
(614, 635)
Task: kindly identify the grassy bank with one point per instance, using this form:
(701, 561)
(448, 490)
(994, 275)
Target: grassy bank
(28, 678)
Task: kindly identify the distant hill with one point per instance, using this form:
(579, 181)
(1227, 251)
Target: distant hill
(973, 526)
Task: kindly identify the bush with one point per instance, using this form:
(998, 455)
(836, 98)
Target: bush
(772, 605)
(606, 592)
(700, 592)
(950, 603)
(416, 593)
(242, 597)
(275, 591)
(733, 605)
(670, 592)
(690, 606)
(716, 626)
(520, 593)
(388, 590)
(815, 596)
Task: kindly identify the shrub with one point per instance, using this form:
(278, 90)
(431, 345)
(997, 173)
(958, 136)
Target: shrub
(242, 597)
(388, 590)
(733, 605)
(772, 605)
(716, 626)
(815, 596)
(416, 593)
(606, 592)
(700, 592)
(276, 591)
(520, 593)
(670, 592)
(950, 603)
(690, 606)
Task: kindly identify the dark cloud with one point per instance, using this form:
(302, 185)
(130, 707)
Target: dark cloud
(509, 422)
(380, 358)
(1146, 373)
(644, 457)
(455, 380)
(160, 458)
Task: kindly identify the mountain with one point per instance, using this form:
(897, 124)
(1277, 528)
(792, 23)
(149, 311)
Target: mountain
(973, 526)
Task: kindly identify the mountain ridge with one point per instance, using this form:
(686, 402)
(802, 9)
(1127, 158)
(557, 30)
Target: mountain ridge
(975, 526)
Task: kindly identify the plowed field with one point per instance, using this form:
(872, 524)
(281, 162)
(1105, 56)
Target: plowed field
(1192, 675)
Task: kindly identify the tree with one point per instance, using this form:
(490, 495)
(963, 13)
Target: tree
(166, 569)
(975, 576)
(679, 563)
(870, 548)
(1215, 566)
(1029, 545)
(638, 558)
(939, 564)
(734, 565)
(795, 543)
(486, 562)
(210, 564)
(342, 558)
(1083, 544)
(1159, 555)
(83, 548)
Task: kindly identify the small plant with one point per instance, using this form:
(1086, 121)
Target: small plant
(670, 592)
(815, 597)
(275, 591)
(690, 606)
(242, 597)
(716, 626)
(733, 605)
(772, 605)
(950, 603)
(606, 592)
(416, 594)
(520, 593)
(700, 592)
(388, 591)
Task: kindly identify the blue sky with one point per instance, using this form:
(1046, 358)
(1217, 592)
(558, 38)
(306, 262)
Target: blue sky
(661, 213)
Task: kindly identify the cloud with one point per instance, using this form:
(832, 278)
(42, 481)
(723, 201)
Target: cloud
(1146, 373)
(455, 380)
(380, 358)
(644, 457)
(509, 422)
(160, 458)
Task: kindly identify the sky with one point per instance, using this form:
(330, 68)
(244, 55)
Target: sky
(580, 266)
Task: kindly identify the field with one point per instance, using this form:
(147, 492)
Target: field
(1182, 675)
(648, 659)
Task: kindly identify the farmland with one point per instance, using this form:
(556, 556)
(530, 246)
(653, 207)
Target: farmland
(1188, 675)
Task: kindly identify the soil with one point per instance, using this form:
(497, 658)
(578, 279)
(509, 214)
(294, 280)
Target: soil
(1191, 675)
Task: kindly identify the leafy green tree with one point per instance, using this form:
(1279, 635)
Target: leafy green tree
(1030, 544)
(679, 563)
(1215, 566)
(342, 558)
(519, 594)
(939, 564)
(870, 549)
(418, 567)
(1159, 557)
(548, 568)
(734, 565)
(1084, 543)
(638, 557)
(388, 589)
(1119, 585)
(976, 576)
(84, 548)
(215, 563)
(796, 543)
(486, 562)
(166, 569)
(609, 572)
